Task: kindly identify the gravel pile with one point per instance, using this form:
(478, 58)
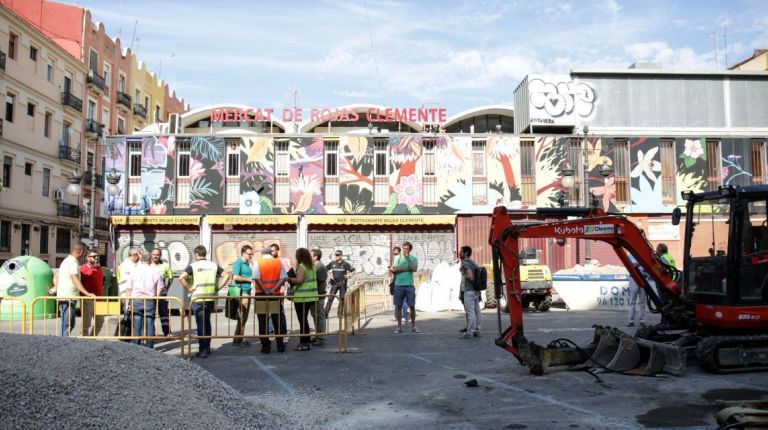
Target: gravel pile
(69, 383)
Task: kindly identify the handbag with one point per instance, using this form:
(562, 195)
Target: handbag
(232, 310)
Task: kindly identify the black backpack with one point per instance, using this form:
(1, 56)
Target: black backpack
(480, 274)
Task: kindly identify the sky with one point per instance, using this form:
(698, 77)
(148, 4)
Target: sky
(455, 55)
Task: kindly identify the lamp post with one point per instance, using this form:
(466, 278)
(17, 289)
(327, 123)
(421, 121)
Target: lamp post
(568, 180)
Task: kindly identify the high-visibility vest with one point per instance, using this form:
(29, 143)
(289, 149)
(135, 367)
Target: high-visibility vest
(306, 288)
(124, 271)
(204, 278)
(269, 272)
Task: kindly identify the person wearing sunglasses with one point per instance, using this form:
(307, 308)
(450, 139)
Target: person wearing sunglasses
(92, 278)
(243, 274)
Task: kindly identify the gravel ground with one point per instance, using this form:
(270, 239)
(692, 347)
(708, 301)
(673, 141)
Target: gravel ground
(69, 383)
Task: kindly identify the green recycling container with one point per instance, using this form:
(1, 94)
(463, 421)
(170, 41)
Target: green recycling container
(25, 278)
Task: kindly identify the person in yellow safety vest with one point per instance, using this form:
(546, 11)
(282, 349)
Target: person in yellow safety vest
(124, 271)
(203, 275)
(272, 276)
(304, 294)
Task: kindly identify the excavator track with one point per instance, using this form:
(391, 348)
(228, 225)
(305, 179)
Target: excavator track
(732, 354)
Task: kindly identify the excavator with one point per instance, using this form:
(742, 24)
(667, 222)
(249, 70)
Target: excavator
(714, 310)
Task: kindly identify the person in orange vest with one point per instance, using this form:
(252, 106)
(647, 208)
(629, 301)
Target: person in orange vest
(271, 277)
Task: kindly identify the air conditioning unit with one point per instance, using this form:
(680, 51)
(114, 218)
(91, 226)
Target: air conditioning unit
(174, 124)
(58, 195)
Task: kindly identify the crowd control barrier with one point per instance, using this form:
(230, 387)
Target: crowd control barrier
(259, 311)
(103, 317)
(13, 315)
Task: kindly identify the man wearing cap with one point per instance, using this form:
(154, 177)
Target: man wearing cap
(339, 271)
(270, 280)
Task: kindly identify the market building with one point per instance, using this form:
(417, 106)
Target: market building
(629, 140)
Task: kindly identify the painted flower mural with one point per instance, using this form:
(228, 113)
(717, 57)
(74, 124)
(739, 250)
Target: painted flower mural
(249, 203)
(693, 148)
(304, 188)
(646, 165)
(409, 191)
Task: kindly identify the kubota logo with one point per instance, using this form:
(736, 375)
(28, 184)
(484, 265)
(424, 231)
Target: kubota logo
(568, 230)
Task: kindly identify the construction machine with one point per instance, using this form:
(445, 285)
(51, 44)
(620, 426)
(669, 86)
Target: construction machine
(714, 310)
(535, 284)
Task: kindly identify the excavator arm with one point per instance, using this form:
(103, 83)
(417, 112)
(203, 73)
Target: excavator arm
(625, 238)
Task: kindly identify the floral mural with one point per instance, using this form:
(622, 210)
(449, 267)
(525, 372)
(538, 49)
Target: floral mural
(404, 189)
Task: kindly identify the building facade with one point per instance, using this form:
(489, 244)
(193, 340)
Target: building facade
(41, 134)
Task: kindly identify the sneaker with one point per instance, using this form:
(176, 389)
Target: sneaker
(281, 348)
(245, 344)
(415, 330)
(630, 324)
(266, 349)
(202, 354)
(398, 330)
(476, 334)
(464, 330)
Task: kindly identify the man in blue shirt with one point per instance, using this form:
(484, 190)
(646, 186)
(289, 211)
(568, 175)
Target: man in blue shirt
(243, 274)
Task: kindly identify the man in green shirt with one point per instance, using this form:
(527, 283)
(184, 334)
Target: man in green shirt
(243, 275)
(167, 274)
(403, 267)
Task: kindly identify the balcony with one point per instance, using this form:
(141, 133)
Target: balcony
(87, 178)
(124, 100)
(68, 210)
(2, 60)
(99, 223)
(93, 127)
(96, 81)
(140, 110)
(69, 99)
(70, 153)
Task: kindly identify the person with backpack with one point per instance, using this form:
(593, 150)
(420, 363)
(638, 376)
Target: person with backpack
(470, 280)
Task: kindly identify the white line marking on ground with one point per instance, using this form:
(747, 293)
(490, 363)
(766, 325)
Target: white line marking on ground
(536, 396)
(286, 386)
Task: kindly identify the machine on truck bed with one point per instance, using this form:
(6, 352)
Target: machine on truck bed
(715, 309)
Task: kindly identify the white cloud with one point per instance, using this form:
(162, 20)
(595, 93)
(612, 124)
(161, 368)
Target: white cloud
(684, 58)
(613, 6)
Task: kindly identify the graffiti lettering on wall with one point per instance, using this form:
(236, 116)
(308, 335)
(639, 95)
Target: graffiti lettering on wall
(561, 97)
(226, 247)
(368, 253)
(176, 248)
(429, 248)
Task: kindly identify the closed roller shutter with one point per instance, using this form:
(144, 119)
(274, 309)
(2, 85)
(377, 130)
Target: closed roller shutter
(430, 248)
(226, 245)
(176, 246)
(368, 252)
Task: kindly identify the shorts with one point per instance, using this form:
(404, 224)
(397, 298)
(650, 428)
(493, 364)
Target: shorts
(405, 294)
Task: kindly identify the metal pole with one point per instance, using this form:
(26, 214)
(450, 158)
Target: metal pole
(92, 212)
(585, 184)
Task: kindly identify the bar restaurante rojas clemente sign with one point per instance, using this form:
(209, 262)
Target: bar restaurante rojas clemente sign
(372, 115)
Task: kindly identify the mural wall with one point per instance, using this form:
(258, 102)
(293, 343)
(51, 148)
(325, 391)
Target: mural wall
(176, 247)
(226, 246)
(405, 181)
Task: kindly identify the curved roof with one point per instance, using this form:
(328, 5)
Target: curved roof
(505, 110)
(359, 108)
(204, 112)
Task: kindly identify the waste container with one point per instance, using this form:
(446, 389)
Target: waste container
(25, 278)
(603, 292)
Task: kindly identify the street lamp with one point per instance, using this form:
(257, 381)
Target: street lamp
(74, 183)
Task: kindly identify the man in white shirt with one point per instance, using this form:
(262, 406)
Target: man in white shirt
(124, 271)
(67, 286)
(144, 281)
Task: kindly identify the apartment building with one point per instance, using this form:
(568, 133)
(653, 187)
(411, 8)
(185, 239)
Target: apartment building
(41, 136)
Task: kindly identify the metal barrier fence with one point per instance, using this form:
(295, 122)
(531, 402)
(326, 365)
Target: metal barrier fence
(13, 315)
(259, 311)
(371, 296)
(105, 318)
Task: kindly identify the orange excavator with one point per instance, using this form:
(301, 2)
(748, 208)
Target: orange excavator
(714, 310)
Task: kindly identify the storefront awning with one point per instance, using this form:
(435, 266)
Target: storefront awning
(252, 219)
(382, 220)
(156, 220)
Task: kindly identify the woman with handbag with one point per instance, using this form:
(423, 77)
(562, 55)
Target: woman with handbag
(304, 289)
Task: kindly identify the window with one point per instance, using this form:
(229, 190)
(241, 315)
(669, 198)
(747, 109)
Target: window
(758, 162)
(621, 171)
(49, 73)
(479, 178)
(7, 169)
(63, 238)
(714, 169)
(67, 84)
(31, 109)
(93, 61)
(13, 40)
(28, 168)
(121, 83)
(46, 181)
(380, 172)
(5, 236)
(47, 124)
(668, 186)
(146, 102)
(120, 126)
(33, 53)
(331, 173)
(10, 101)
(157, 113)
(575, 160)
(527, 172)
(65, 134)
(183, 181)
(107, 76)
(134, 172)
(232, 198)
(137, 97)
(428, 173)
(44, 239)
(282, 170)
